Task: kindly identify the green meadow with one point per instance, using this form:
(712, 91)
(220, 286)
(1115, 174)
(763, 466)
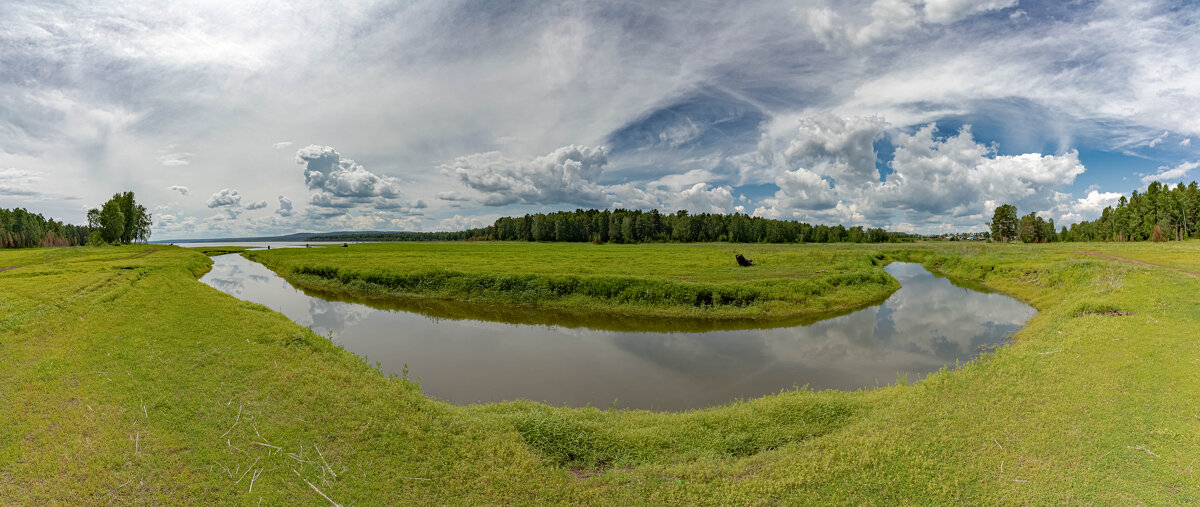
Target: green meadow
(700, 283)
(124, 380)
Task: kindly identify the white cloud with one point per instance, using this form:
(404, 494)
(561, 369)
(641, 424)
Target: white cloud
(1170, 174)
(949, 11)
(175, 159)
(226, 198)
(889, 19)
(285, 207)
(836, 147)
(256, 205)
(703, 198)
(459, 223)
(933, 180)
(342, 183)
(567, 175)
(1161, 137)
(801, 190)
(92, 93)
(178, 188)
(955, 175)
(18, 182)
(1068, 210)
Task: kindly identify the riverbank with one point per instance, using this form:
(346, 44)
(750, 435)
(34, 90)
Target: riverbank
(694, 286)
(123, 379)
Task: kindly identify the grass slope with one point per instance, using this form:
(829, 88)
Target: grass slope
(124, 380)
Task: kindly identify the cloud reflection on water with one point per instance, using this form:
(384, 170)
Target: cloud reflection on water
(926, 324)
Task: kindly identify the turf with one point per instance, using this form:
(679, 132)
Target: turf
(697, 282)
(124, 380)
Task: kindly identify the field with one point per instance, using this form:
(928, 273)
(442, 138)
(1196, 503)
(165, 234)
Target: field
(124, 380)
(700, 283)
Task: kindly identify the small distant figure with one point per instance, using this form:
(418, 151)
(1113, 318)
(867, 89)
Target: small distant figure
(306, 245)
(344, 245)
(268, 247)
(744, 262)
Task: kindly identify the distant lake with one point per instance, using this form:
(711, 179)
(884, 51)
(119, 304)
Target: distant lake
(928, 323)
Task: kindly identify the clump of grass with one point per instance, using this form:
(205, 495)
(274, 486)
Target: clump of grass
(1104, 309)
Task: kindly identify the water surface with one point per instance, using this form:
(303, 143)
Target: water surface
(928, 323)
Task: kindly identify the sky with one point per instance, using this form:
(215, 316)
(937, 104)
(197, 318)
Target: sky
(270, 117)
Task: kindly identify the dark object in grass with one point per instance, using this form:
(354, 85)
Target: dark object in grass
(1106, 313)
(344, 245)
(744, 262)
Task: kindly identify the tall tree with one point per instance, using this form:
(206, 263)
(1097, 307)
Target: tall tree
(1004, 223)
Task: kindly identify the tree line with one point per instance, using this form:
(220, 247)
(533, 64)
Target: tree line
(1158, 214)
(21, 229)
(120, 220)
(636, 226)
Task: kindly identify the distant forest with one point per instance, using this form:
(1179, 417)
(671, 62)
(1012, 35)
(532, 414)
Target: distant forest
(120, 220)
(636, 226)
(1159, 214)
(20, 229)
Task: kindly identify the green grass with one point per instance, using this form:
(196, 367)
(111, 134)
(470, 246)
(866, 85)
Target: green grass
(699, 282)
(122, 380)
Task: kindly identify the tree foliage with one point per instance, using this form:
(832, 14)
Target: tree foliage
(1175, 212)
(1004, 223)
(636, 226)
(1030, 228)
(120, 220)
(19, 228)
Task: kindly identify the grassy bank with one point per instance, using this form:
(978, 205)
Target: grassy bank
(577, 282)
(124, 380)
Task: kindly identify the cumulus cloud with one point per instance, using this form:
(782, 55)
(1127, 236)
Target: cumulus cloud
(837, 147)
(226, 198)
(703, 198)
(1186, 142)
(256, 205)
(567, 175)
(956, 174)
(1067, 209)
(1170, 174)
(285, 207)
(802, 189)
(178, 188)
(459, 223)
(341, 183)
(827, 172)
